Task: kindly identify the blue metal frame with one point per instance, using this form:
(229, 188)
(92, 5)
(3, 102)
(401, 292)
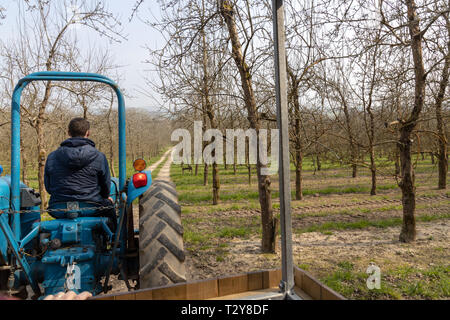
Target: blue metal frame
(13, 234)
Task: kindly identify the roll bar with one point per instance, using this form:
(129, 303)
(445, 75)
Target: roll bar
(15, 129)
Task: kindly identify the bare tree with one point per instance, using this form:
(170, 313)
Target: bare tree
(229, 13)
(411, 21)
(440, 122)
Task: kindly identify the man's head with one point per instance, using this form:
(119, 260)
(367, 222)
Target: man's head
(79, 127)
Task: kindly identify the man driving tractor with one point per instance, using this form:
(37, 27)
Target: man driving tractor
(78, 172)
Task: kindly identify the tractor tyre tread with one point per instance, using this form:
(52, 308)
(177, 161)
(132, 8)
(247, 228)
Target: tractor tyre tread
(161, 252)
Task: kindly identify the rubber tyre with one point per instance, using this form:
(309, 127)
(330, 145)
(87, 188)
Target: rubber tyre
(161, 254)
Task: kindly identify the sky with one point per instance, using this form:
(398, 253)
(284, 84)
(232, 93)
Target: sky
(130, 54)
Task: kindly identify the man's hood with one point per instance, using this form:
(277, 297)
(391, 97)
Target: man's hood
(77, 152)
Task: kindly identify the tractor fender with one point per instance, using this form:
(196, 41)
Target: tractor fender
(133, 191)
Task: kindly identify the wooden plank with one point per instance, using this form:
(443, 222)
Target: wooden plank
(311, 287)
(255, 281)
(144, 294)
(105, 297)
(231, 285)
(271, 278)
(177, 292)
(329, 294)
(302, 294)
(201, 290)
(298, 275)
(126, 296)
(244, 295)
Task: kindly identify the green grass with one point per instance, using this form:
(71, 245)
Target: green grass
(231, 227)
(202, 194)
(238, 232)
(398, 283)
(352, 283)
(432, 283)
(304, 266)
(192, 191)
(193, 237)
(365, 223)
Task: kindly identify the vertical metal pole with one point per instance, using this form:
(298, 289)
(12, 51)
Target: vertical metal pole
(122, 139)
(122, 164)
(15, 159)
(287, 282)
(13, 235)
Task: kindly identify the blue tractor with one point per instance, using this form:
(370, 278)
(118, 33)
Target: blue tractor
(79, 249)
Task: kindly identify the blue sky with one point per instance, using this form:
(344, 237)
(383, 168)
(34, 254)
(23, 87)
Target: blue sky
(129, 54)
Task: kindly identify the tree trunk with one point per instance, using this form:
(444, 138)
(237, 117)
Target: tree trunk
(248, 165)
(265, 200)
(442, 139)
(314, 164)
(373, 170)
(24, 163)
(216, 183)
(298, 162)
(354, 169)
(234, 159)
(298, 147)
(408, 232)
(208, 108)
(442, 166)
(41, 163)
(353, 151)
(298, 182)
(205, 175)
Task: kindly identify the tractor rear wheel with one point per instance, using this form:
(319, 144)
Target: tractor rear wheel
(161, 255)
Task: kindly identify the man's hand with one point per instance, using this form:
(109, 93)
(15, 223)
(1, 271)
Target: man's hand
(71, 295)
(111, 199)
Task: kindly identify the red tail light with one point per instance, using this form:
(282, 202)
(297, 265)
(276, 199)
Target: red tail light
(139, 180)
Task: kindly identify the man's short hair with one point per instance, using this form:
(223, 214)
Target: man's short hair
(78, 127)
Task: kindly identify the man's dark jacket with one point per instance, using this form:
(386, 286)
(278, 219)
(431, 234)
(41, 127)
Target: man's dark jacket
(77, 171)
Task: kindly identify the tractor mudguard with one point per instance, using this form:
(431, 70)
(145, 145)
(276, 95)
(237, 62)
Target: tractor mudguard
(135, 189)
